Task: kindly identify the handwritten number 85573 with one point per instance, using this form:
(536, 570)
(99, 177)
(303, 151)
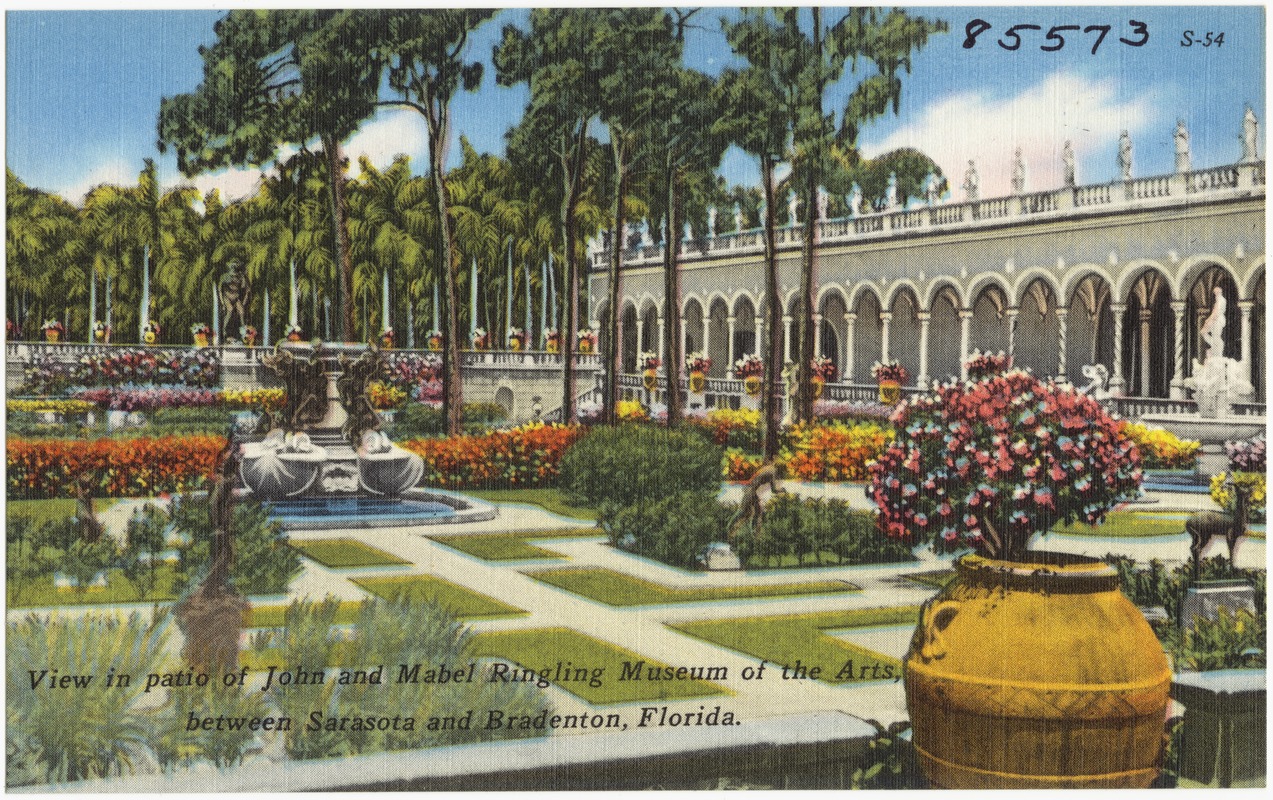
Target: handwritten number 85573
(1054, 40)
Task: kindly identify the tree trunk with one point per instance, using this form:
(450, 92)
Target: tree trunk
(772, 400)
(610, 389)
(340, 227)
(572, 173)
(672, 355)
(452, 396)
(808, 263)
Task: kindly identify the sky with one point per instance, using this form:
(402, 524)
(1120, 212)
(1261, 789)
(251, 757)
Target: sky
(83, 90)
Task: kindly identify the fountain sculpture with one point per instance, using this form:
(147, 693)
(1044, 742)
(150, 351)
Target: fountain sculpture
(324, 462)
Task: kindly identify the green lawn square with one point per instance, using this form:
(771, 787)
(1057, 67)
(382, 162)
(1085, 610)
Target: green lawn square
(511, 546)
(617, 589)
(460, 601)
(345, 553)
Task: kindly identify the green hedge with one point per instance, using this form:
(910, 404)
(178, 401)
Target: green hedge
(637, 464)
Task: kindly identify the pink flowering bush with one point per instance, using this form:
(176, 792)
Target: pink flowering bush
(148, 398)
(989, 463)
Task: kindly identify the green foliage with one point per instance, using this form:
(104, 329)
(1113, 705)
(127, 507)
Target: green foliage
(1233, 639)
(619, 589)
(177, 747)
(146, 539)
(388, 633)
(671, 530)
(263, 563)
(637, 464)
(416, 420)
(890, 761)
(345, 553)
(88, 732)
(796, 527)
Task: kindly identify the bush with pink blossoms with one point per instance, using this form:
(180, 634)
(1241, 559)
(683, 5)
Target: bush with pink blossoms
(1248, 456)
(989, 463)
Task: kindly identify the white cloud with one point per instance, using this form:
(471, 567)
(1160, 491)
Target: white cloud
(385, 136)
(234, 183)
(973, 125)
(116, 171)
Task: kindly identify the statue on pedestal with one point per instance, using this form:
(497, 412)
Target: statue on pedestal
(890, 192)
(1250, 134)
(1183, 158)
(855, 201)
(972, 182)
(793, 208)
(931, 194)
(1125, 156)
(1216, 379)
(1067, 164)
(235, 294)
(1018, 173)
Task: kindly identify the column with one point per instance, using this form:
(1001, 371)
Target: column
(1062, 314)
(1116, 380)
(685, 333)
(1145, 316)
(730, 358)
(786, 339)
(925, 317)
(1178, 379)
(661, 339)
(640, 338)
(1012, 313)
(965, 331)
(850, 322)
(1246, 307)
(707, 336)
(885, 318)
(759, 347)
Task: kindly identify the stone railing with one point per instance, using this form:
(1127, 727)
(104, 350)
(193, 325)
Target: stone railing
(1220, 182)
(1133, 407)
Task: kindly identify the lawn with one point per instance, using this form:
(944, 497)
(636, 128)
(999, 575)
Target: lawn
(1128, 523)
(548, 498)
(511, 546)
(58, 508)
(345, 553)
(937, 578)
(617, 589)
(41, 592)
(459, 601)
(543, 648)
(272, 616)
(784, 638)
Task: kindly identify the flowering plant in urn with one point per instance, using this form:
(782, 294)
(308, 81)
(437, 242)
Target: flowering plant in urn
(749, 366)
(650, 361)
(888, 371)
(989, 463)
(822, 367)
(698, 362)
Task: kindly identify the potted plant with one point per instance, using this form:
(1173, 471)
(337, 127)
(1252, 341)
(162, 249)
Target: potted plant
(890, 375)
(386, 339)
(53, 330)
(434, 340)
(201, 332)
(750, 368)
(101, 332)
(552, 340)
(293, 333)
(650, 365)
(516, 338)
(13, 330)
(697, 365)
(150, 334)
(249, 335)
(587, 340)
(823, 370)
(1030, 669)
(480, 339)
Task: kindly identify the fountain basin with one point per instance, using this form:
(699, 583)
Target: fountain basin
(414, 507)
(275, 475)
(1213, 432)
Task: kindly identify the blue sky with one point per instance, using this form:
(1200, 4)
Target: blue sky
(83, 92)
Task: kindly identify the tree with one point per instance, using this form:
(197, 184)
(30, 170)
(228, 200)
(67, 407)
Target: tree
(556, 59)
(42, 249)
(422, 54)
(911, 167)
(274, 78)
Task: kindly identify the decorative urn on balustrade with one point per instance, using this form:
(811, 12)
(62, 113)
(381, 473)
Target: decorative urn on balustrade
(1030, 669)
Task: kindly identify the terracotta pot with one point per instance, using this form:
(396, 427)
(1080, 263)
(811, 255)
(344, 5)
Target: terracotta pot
(890, 392)
(752, 384)
(1037, 675)
(585, 346)
(819, 383)
(697, 382)
(52, 337)
(650, 379)
(201, 340)
(435, 342)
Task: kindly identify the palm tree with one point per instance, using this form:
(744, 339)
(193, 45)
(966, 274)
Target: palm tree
(44, 254)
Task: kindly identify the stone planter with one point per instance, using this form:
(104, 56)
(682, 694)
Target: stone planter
(698, 381)
(752, 385)
(1037, 675)
(52, 337)
(819, 384)
(650, 379)
(890, 392)
(201, 340)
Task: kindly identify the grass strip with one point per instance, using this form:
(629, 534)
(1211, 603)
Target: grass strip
(272, 616)
(937, 578)
(511, 546)
(41, 592)
(54, 509)
(549, 499)
(784, 638)
(542, 649)
(462, 602)
(345, 553)
(618, 589)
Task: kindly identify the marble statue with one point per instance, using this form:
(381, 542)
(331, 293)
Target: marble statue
(1216, 381)
(235, 294)
(1098, 381)
(739, 224)
(890, 193)
(930, 189)
(1125, 155)
(972, 183)
(790, 383)
(1250, 134)
(824, 201)
(711, 222)
(646, 239)
(688, 232)
(855, 201)
(1183, 159)
(1067, 164)
(1018, 173)
(793, 208)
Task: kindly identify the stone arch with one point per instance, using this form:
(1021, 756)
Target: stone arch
(1191, 269)
(831, 339)
(1134, 272)
(649, 340)
(695, 323)
(903, 285)
(1090, 325)
(1148, 351)
(1254, 276)
(866, 334)
(945, 284)
(1080, 272)
(717, 333)
(904, 330)
(944, 329)
(1026, 281)
(745, 340)
(990, 319)
(1037, 334)
(505, 399)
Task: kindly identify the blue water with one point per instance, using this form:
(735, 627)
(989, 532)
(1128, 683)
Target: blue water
(357, 509)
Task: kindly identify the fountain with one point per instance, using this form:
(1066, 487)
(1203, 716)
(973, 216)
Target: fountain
(324, 462)
(1217, 381)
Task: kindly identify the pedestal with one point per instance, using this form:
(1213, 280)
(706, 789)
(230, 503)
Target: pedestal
(1206, 598)
(718, 556)
(1222, 740)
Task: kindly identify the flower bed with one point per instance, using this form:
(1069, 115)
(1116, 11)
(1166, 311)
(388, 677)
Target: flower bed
(1162, 449)
(138, 467)
(525, 456)
(50, 405)
(835, 451)
(148, 398)
(121, 367)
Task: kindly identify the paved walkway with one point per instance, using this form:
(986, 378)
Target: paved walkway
(644, 629)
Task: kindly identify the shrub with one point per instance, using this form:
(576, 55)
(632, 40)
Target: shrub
(730, 428)
(1233, 639)
(1248, 456)
(1255, 482)
(836, 451)
(142, 466)
(523, 457)
(416, 420)
(633, 464)
(671, 530)
(796, 527)
(263, 563)
(1162, 449)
